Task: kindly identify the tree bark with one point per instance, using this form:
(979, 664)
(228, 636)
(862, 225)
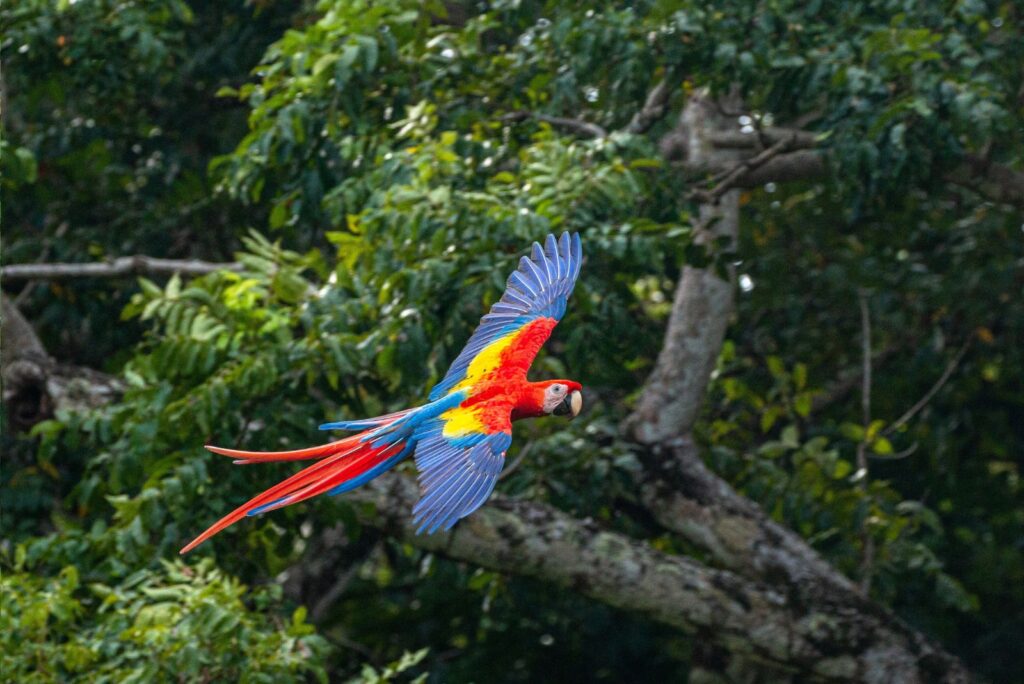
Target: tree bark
(801, 160)
(829, 638)
(682, 494)
(36, 386)
(703, 302)
(120, 267)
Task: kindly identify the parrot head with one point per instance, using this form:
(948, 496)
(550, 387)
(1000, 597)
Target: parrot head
(563, 398)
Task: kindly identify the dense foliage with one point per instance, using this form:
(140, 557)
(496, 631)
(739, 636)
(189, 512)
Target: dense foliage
(360, 160)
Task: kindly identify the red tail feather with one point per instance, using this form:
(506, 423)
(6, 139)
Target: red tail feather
(246, 457)
(342, 461)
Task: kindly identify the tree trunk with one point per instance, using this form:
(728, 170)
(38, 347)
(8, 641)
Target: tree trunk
(683, 495)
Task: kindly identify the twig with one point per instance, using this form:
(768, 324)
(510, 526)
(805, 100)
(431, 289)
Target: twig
(122, 266)
(850, 381)
(862, 457)
(515, 464)
(26, 291)
(338, 587)
(898, 455)
(923, 401)
(726, 180)
(578, 126)
(655, 107)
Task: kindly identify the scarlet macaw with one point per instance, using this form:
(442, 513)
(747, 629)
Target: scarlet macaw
(460, 437)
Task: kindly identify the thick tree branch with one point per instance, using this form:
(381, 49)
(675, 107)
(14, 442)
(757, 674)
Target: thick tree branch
(35, 386)
(832, 639)
(800, 161)
(120, 267)
(794, 138)
(675, 485)
(681, 493)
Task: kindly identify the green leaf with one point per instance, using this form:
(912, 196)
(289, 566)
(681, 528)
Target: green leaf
(852, 431)
(882, 446)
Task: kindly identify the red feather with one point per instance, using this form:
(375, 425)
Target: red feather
(342, 461)
(246, 457)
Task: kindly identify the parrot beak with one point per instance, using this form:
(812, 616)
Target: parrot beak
(571, 405)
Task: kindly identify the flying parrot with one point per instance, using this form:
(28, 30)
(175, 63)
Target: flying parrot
(459, 438)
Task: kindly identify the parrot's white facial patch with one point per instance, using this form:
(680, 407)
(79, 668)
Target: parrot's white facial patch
(559, 401)
(554, 395)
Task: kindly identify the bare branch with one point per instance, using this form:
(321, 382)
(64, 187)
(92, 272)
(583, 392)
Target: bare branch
(514, 465)
(993, 181)
(26, 291)
(792, 166)
(727, 180)
(577, 126)
(899, 454)
(655, 107)
(702, 304)
(868, 561)
(846, 383)
(120, 267)
(923, 401)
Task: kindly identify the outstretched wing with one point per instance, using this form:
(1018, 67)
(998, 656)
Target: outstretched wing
(519, 323)
(459, 456)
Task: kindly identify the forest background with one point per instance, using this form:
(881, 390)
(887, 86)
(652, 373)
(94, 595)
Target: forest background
(799, 328)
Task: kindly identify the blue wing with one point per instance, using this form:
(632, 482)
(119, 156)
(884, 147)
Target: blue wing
(456, 475)
(538, 288)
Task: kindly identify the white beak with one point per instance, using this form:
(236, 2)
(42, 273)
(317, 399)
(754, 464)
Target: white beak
(575, 403)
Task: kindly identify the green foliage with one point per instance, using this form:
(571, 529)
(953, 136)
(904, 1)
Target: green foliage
(177, 622)
(369, 167)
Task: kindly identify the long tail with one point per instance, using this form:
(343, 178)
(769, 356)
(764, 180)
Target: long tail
(345, 465)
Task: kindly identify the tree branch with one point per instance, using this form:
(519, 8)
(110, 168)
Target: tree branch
(675, 485)
(993, 181)
(120, 267)
(681, 493)
(848, 382)
(702, 303)
(795, 139)
(868, 560)
(923, 401)
(36, 386)
(727, 180)
(828, 640)
(655, 107)
(577, 126)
